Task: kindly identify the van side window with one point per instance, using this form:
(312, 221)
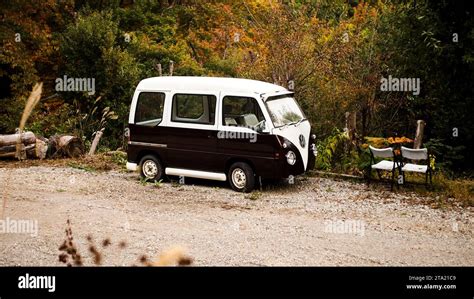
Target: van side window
(194, 108)
(149, 111)
(241, 112)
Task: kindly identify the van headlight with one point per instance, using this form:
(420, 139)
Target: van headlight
(291, 158)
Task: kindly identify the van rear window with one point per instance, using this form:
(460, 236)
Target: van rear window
(149, 110)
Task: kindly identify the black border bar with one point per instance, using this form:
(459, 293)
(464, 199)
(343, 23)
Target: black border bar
(241, 281)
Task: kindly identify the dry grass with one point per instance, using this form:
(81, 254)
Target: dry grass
(174, 256)
(69, 253)
(443, 193)
(31, 102)
(98, 162)
(462, 190)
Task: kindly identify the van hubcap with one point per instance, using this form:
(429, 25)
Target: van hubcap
(238, 178)
(150, 170)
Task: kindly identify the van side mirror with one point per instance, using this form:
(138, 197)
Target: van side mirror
(261, 127)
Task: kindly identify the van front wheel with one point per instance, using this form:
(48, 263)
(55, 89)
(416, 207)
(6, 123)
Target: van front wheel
(151, 168)
(241, 177)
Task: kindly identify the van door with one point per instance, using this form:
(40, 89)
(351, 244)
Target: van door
(238, 137)
(192, 131)
(146, 125)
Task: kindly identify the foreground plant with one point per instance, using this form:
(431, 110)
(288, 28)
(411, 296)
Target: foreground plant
(70, 255)
(31, 102)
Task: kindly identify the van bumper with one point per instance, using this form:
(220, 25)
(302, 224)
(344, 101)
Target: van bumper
(132, 166)
(281, 169)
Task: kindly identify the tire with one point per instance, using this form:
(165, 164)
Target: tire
(241, 177)
(151, 168)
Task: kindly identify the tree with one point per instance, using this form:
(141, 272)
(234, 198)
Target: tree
(27, 52)
(90, 50)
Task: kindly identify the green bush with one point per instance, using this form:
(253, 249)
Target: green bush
(447, 156)
(330, 150)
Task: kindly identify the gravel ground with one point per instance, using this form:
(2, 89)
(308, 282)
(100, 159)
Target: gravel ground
(308, 223)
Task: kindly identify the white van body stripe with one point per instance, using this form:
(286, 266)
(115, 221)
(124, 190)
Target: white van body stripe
(132, 166)
(196, 174)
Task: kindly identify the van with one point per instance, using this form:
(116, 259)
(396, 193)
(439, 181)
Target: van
(223, 129)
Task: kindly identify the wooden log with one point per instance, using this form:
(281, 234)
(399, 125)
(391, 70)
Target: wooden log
(337, 175)
(71, 146)
(66, 146)
(7, 149)
(41, 148)
(36, 150)
(23, 150)
(31, 152)
(420, 127)
(12, 139)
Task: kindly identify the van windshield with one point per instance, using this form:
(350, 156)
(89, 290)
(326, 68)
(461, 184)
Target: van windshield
(284, 111)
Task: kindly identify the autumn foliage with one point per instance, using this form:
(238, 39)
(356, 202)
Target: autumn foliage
(335, 53)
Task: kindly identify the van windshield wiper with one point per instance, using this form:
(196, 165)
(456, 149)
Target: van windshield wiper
(299, 122)
(296, 123)
(286, 125)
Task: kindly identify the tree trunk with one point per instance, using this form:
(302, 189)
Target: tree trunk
(420, 127)
(364, 122)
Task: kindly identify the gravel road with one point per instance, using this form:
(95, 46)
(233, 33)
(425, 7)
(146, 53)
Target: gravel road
(316, 222)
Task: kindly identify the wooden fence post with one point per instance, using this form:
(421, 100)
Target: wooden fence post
(158, 68)
(171, 67)
(420, 127)
(95, 142)
(351, 122)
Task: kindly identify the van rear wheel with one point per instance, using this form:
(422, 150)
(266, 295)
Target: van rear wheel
(151, 168)
(241, 177)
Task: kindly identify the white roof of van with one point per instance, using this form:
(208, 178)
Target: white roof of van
(209, 84)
